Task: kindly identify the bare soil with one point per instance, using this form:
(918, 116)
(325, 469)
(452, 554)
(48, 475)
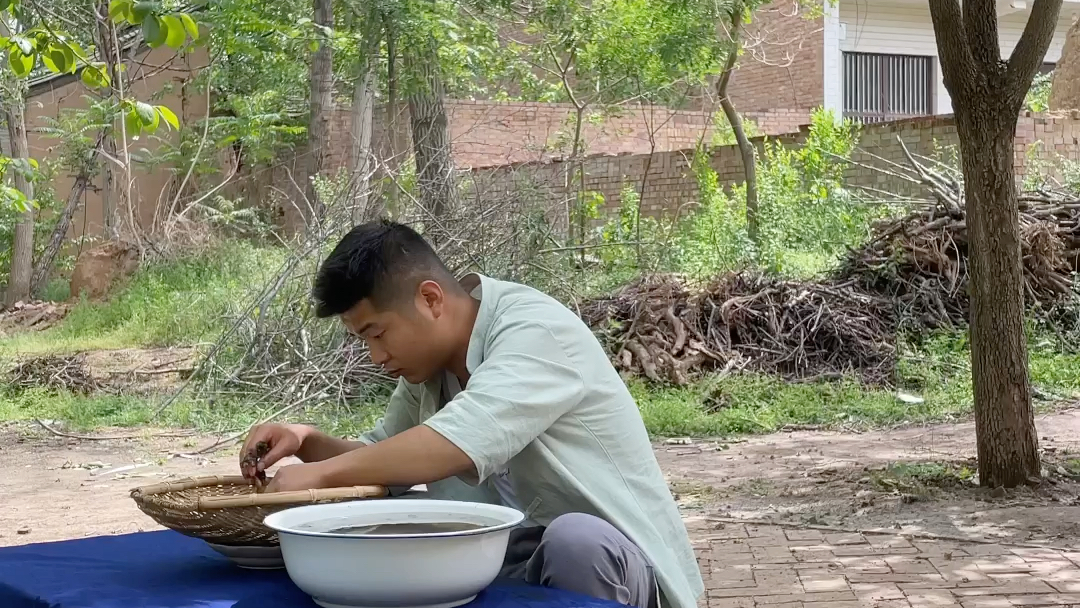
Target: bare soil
(853, 482)
(56, 488)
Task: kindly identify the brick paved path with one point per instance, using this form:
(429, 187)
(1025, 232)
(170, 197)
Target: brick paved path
(755, 566)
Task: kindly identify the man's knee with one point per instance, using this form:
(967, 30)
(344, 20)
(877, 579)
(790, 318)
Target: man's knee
(587, 555)
(577, 537)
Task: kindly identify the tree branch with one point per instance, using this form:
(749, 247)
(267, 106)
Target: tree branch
(729, 66)
(957, 62)
(1030, 51)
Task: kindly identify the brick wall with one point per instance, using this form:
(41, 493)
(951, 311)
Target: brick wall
(487, 134)
(669, 188)
(784, 61)
(779, 122)
(1042, 140)
(491, 133)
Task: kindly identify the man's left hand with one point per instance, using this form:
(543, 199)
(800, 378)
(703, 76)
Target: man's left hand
(306, 476)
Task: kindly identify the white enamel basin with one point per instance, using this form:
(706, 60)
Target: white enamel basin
(438, 570)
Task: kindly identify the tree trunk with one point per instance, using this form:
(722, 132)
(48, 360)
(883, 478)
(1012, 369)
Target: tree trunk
(397, 139)
(749, 163)
(1004, 420)
(577, 154)
(361, 160)
(987, 94)
(103, 37)
(430, 130)
(22, 255)
(746, 147)
(44, 266)
(1065, 89)
(322, 106)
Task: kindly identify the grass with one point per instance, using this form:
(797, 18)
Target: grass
(174, 303)
(749, 404)
(936, 371)
(89, 412)
(187, 302)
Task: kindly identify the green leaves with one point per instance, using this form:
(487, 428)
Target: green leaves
(189, 25)
(175, 33)
(141, 117)
(158, 27)
(153, 33)
(96, 75)
(57, 51)
(132, 124)
(25, 45)
(13, 197)
(62, 58)
(118, 10)
(21, 63)
(141, 10)
(147, 115)
(168, 116)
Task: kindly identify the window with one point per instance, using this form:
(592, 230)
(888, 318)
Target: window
(880, 88)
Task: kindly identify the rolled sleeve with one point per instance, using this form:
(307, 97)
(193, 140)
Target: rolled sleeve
(524, 385)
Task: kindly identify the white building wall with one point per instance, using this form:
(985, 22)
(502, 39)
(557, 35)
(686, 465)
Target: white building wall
(905, 28)
(832, 63)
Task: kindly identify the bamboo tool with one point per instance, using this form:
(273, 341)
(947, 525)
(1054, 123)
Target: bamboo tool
(227, 510)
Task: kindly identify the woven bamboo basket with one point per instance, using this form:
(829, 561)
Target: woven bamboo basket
(226, 510)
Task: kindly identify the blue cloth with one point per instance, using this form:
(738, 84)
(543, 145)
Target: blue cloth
(168, 570)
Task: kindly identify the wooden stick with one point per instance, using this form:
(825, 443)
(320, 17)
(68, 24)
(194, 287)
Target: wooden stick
(60, 433)
(286, 498)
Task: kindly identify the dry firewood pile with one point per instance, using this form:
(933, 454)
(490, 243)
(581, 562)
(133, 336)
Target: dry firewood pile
(920, 261)
(62, 372)
(30, 316)
(663, 330)
(910, 276)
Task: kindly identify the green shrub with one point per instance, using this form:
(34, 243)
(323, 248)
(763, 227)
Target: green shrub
(182, 302)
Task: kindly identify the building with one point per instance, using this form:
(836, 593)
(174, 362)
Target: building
(871, 60)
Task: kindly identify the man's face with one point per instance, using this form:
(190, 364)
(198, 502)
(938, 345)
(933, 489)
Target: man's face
(405, 338)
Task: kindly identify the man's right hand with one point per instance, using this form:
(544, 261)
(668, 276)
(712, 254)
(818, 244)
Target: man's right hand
(284, 441)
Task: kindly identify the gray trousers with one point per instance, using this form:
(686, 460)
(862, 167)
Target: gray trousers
(582, 554)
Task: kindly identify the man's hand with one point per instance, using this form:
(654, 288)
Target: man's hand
(306, 476)
(284, 441)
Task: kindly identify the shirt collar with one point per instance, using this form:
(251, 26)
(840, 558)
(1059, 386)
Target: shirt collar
(484, 317)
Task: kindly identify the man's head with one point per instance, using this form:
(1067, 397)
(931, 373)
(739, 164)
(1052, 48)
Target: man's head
(390, 288)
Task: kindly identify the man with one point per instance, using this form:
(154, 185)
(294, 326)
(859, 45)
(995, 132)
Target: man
(506, 390)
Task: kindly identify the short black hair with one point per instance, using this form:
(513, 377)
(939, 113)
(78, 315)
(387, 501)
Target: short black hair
(381, 261)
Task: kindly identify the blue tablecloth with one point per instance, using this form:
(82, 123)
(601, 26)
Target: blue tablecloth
(169, 570)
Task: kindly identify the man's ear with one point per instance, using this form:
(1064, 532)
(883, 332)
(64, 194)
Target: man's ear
(431, 298)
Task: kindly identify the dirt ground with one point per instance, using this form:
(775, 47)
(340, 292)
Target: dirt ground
(56, 488)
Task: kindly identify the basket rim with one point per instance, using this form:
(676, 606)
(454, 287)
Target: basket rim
(203, 503)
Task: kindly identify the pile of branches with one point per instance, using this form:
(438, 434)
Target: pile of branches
(920, 261)
(30, 316)
(60, 372)
(662, 329)
(277, 354)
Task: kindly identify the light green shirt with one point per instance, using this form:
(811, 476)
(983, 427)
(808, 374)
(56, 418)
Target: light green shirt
(544, 402)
